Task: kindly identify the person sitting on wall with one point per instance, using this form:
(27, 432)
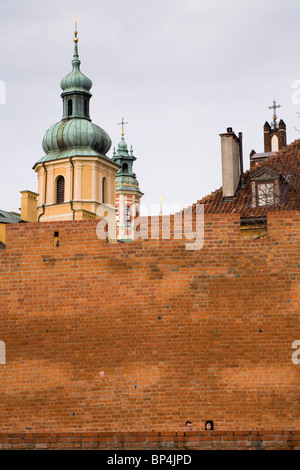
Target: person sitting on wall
(188, 426)
(209, 425)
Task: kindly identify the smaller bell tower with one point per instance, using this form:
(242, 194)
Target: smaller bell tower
(128, 194)
(274, 134)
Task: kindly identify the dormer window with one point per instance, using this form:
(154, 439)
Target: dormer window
(265, 188)
(265, 194)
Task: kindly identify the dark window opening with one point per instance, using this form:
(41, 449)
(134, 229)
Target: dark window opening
(86, 108)
(125, 168)
(104, 191)
(56, 239)
(70, 107)
(60, 190)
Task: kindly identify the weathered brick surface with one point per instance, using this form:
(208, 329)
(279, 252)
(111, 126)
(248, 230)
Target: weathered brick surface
(179, 334)
(175, 441)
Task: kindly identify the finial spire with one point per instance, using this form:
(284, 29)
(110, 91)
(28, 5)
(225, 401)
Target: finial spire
(122, 124)
(76, 61)
(76, 29)
(274, 113)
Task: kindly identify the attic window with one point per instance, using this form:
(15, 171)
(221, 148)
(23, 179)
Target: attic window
(265, 194)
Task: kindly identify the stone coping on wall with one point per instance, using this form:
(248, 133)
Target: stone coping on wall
(164, 440)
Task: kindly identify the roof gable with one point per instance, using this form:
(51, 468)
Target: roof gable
(264, 174)
(283, 166)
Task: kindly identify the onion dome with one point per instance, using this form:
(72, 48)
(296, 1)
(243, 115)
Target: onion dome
(79, 133)
(75, 134)
(76, 81)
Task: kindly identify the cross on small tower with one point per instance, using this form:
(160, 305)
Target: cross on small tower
(122, 124)
(274, 112)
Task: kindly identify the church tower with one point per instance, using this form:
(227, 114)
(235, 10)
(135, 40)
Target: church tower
(128, 194)
(274, 134)
(76, 179)
(274, 138)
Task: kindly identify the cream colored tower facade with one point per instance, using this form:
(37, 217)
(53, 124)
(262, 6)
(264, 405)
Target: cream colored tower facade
(76, 179)
(128, 193)
(76, 188)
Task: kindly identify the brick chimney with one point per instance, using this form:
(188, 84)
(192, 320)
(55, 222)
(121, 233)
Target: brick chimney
(29, 206)
(231, 163)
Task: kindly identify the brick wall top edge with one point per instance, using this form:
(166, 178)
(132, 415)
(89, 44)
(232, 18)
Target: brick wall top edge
(146, 433)
(17, 233)
(77, 224)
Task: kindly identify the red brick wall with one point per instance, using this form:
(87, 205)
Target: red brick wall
(170, 441)
(200, 334)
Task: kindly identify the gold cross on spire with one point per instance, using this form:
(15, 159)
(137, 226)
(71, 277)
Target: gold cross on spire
(122, 124)
(76, 29)
(274, 112)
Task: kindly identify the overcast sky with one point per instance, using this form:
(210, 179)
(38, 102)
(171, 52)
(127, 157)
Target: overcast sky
(179, 71)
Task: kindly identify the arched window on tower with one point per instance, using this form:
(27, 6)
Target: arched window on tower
(60, 190)
(70, 107)
(125, 168)
(274, 144)
(104, 191)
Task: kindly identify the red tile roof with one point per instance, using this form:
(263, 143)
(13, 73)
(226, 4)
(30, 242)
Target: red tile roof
(286, 163)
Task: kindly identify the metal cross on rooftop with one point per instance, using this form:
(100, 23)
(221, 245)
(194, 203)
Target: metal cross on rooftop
(122, 124)
(274, 112)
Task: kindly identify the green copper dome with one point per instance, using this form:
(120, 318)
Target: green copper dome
(75, 134)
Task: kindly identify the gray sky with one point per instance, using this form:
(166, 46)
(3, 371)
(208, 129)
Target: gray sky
(179, 71)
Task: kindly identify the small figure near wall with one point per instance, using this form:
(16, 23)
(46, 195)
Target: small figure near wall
(188, 426)
(209, 425)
